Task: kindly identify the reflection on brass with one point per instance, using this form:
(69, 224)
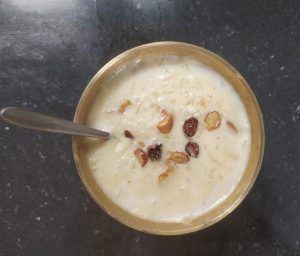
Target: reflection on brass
(257, 138)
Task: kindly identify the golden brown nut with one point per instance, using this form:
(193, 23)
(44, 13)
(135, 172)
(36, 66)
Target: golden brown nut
(165, 125)
(141, 156)
(179, 157)
(212, 120)
(166, 173)
(124, 105)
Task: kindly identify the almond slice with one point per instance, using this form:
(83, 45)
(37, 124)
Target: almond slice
(165, 125)
(212, 120)
(124, 105)
(141, 156)
(179, 157)
(231, 126)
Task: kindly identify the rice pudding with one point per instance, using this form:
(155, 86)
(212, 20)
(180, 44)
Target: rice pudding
(181, 138)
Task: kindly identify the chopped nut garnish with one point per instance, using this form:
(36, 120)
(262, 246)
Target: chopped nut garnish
(124, 105)
(128, 134)
(141, 144)
(165, 125)
(154, 151)
(212, 120)
(192, 148)
(179, 157)
(190, 126)
(166, 173)
(231, 126)
(141, 156)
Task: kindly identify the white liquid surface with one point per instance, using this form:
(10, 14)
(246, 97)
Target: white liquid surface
(179, 85)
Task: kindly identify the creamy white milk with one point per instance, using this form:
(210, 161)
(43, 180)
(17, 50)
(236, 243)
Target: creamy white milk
(184, 88)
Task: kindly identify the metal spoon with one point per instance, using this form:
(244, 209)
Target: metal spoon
(35, 121)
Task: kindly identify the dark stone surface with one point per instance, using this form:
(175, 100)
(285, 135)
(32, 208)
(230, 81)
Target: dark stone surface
(48, 52)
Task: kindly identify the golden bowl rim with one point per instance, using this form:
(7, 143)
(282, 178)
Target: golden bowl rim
(232, 205)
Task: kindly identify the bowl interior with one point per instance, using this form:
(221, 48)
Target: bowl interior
(257, 137)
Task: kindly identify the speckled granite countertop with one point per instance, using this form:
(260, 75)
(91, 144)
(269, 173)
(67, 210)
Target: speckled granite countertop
(48, 52)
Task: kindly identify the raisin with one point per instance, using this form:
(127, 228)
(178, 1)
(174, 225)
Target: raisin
(192, 148)
(128, 134)
(154, 151)
(190, 126)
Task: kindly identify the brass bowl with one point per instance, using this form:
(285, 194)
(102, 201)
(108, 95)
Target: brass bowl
(257, 138)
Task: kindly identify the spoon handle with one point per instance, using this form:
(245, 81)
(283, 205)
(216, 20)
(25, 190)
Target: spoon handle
(35, 121)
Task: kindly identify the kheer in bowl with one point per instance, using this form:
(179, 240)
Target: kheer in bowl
(187, 142)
